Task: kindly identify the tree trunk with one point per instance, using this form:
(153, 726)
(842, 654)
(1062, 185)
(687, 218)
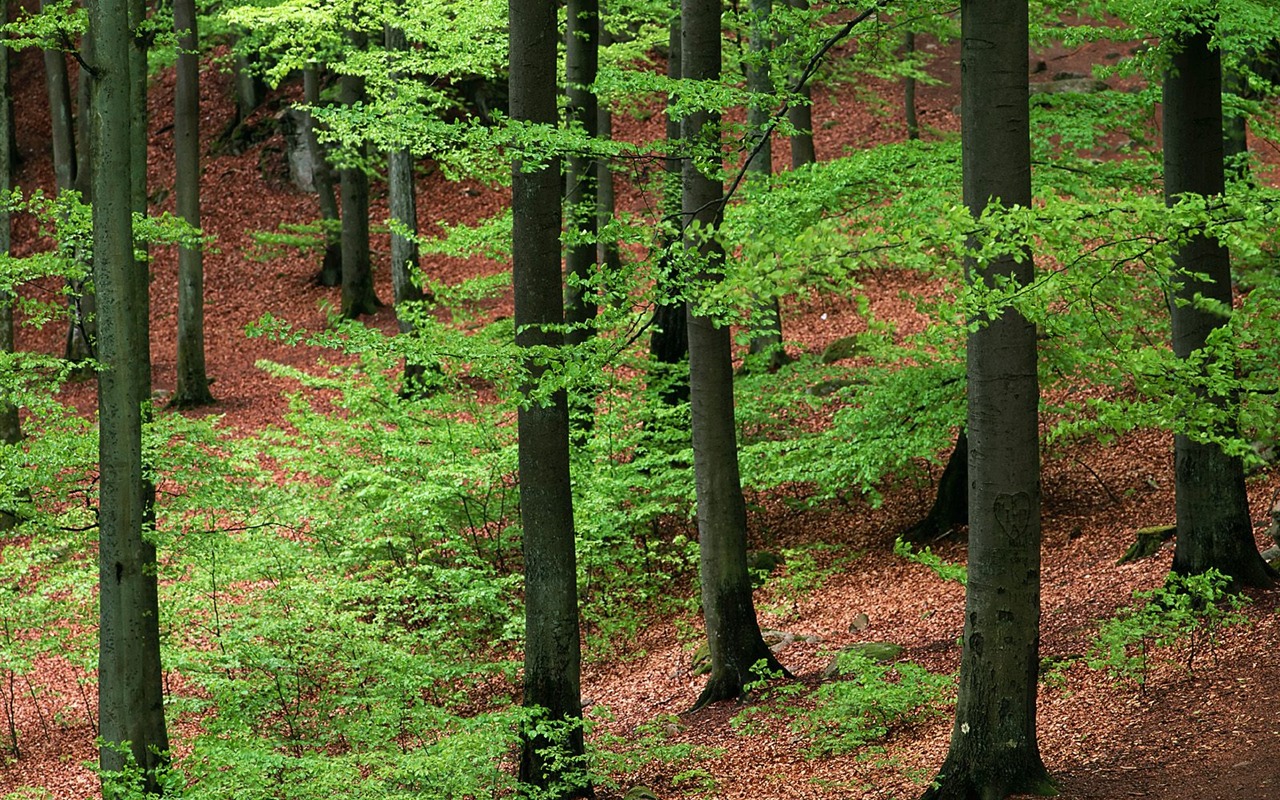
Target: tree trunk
(607, 251)
(331, 267)
(10, 429)
(358, 297)
(951, 502)
(250, 89)
(131, 705)
(733, 634)
(192, 382)
(993, 751)
(766, 334)
(62, 128)
(582, 45)
(909, 90)
(800, 115)
(403, 202)
(669, 341)
(1214, 528)
(552, 659)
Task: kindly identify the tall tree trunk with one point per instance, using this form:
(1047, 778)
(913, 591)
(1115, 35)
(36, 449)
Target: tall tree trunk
(766, 335)
(552, 659)
(1214, 528)
(669, 342)
(131, 703)
(192, 384)
(331, 266)
(250, 89)
(403, 202)
(994, 751)
(62, 128)
(358, 297)
(10, 429)
(800, 115)
(582, 46)
(607, 251)
(733, 633)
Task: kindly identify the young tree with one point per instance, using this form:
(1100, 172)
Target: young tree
(994, 752)
(1214, 528)
(193, 383)
(131, 702)
(733, 633)
(551, 757)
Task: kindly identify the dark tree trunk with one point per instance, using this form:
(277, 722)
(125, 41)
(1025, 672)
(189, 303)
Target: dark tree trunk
(800, 115)
(552, 644)
(909, 90)
(10, 429)
(993, 751)
(331, 267)
(62, 130)
(607, 252)
(582, 46)
(766, 335)
(1214, 528)
(733, 633)
(951, 503)
(192, 384)
(403, 201)
(131, 705)
(358, 297)
(669, 342)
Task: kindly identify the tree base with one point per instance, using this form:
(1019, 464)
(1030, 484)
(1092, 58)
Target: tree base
(950, 509)
(730, 682)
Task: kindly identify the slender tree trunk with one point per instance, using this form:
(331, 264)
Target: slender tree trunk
(552, 660)
(403, 201)
(1214, 528)
(62, 130)
(250, 89)
(909, 90)
(10, 429)
(331, 267)
(994, 752)
(607, 251)
(131, 705)
(800, 115)
(582, 46)
(733, 634)
(358, 297)
(766, 335)
(669, 342)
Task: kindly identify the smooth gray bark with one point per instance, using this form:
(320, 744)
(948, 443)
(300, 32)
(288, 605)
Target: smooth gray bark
(733, 633)
(994, 752)
(552, 660)
(131, 704)
(192, 381)
(766, 336)
(1214, 528)
(62, 125)
(358, 297)
(800, 115)
(331, 265)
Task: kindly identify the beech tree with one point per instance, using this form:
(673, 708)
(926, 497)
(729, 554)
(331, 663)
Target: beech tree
(192, 387)
(1213, 523)
(10, 428)
(131, 702)
(993, 751)
(582, 48)
(733, 633)
(331, 263)
(552, 751)
(800, 115)
(358, 297)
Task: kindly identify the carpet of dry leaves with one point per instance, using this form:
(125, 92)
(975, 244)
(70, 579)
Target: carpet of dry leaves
(1214, 734)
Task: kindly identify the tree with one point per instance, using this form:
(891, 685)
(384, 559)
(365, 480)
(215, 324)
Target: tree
(131, 702)
(1214, 528)
(800, 115)
(192, 387)
(358, 297)
(994, 752)
(331, 265)
(582, 48)
(733, 633)
(552, 754)
(10, 427)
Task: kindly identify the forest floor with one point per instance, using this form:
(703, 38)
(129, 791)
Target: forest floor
(1202, 735)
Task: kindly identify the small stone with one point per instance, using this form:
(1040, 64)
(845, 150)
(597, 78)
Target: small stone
(640, 793)
(860, 623)
(883, 652)
(842, 348)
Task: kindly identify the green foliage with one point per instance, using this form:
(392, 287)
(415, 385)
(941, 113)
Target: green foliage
(925, 557)
(1187, 611)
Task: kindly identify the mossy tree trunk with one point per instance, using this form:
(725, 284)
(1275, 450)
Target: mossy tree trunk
(994, 752)
(131, 703)
(550, 762)
(733, 633)
(1214, 527)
